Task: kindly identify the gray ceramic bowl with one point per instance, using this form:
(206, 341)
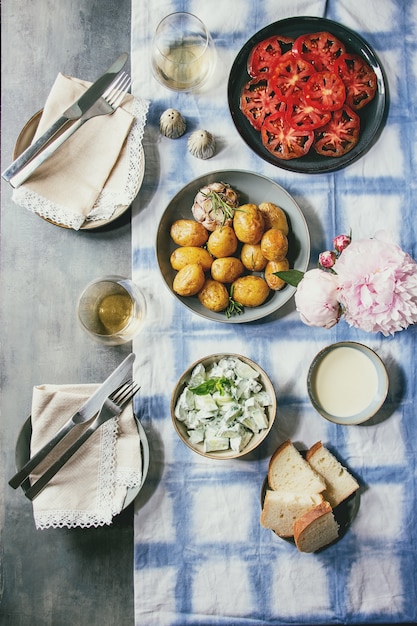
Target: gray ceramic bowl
(347, 383)
(252, 188)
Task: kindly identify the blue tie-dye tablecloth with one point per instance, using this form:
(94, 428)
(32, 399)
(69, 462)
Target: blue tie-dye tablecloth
(201, 556)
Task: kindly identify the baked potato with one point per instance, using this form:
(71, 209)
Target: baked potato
(188, 233)
(187, 255)
(250, 291)
(213, 295)
(189, 280)
(252, 257)
(222, 242)
(275, 282)
(274, 244)
(274, 216)
(227, 269)
(248, 223)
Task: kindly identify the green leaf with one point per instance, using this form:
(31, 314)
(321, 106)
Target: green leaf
(292, 277)
(210, 386)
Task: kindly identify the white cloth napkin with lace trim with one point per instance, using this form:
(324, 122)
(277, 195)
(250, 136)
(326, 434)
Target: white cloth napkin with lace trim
(90, 489)
(97, 170)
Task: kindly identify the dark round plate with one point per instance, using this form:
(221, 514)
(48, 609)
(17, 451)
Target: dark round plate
(22, 456)
(344, 513)
(372, 116)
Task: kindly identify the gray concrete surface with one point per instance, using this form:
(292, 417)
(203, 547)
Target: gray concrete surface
(55, 577)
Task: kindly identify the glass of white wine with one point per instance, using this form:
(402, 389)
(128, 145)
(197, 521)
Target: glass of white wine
(111, 310)
(183, 52)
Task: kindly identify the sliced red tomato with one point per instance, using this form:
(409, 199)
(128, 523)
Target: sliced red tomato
(284, 141)
(258, 100)
(339, 135)
(359, 79)
(321, 49)
(266, 52)
(305, 93)
(326, 91)
(303, 115)
(289, 74)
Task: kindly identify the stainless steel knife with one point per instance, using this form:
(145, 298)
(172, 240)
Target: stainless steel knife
(86, 412)
(74, 112)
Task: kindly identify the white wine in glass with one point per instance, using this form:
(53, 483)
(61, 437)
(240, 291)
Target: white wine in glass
(183, 52)
(111, 310)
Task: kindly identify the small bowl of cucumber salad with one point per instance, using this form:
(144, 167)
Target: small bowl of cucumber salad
(223, 406)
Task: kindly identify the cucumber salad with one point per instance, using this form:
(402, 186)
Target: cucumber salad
(223, 405)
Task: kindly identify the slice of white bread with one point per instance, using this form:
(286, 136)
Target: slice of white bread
(340, 483)
(281, 509)
(316, 528)
(288, 471)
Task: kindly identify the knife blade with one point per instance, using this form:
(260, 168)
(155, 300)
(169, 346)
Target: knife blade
(86, 412)
(74, 112)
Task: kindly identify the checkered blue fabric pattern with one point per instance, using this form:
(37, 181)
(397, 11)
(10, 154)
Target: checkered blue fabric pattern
(201, 556)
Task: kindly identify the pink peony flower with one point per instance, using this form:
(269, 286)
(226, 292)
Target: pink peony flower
(377, 286)
(316, 299)
(327, 259)
(341, 242)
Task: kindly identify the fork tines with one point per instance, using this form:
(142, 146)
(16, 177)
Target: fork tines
(117, 90)
(124, 393)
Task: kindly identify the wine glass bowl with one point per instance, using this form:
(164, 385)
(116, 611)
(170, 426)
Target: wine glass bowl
(183, 53)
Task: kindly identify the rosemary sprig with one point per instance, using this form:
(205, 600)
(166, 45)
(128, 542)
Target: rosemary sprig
(220, 204)
(233, 308)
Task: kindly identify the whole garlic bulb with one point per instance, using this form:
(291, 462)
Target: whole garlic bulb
(214, 205)
(172, 124)
(202, 144)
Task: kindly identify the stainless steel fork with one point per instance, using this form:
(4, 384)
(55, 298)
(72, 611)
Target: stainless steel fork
(110, 408)
(106, 105)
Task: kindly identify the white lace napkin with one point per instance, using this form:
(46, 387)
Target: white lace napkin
(91, 487)
(96, 171)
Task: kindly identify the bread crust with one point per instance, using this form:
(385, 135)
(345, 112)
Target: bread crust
(340, 482)
(272, 460)
(278, 451)
(306, 522)
(317, 446)
(320, 484)
(281, 509)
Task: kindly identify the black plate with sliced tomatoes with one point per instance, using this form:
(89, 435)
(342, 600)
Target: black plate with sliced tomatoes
(308, 95)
